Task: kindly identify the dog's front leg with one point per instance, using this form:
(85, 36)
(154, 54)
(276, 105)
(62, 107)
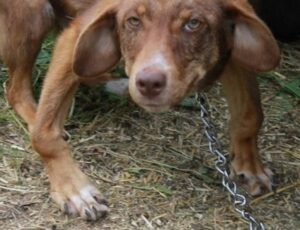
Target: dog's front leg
(243, 96)
(70, 188)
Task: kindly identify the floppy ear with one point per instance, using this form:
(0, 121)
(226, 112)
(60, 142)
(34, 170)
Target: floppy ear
(97, 49)
(254, 46)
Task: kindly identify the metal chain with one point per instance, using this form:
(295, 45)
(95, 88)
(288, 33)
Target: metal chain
(239, 201)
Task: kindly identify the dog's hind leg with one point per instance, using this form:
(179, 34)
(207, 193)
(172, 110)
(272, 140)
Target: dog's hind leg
(24, 25)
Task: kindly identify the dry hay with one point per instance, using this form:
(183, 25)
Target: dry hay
(155, 169)
(290, 61)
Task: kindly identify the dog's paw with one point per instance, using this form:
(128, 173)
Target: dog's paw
(86, 202)
(255, 178)
(72, 191)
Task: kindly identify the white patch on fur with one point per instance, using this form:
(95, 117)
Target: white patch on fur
(77, 201)
(157, 60)
(85, 195)
(119, 87)
(86, 192)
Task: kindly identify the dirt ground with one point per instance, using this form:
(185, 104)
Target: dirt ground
(155, 170)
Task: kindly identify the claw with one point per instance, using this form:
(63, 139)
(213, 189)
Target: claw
(88, 215)
(103, 211)
(66, 209)
(101, 201)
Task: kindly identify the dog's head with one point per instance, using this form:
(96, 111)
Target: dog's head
(171, 46)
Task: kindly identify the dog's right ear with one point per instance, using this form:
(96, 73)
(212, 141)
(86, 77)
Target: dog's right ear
(97, 49)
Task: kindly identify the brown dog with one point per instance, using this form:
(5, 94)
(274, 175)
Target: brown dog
(169, 48)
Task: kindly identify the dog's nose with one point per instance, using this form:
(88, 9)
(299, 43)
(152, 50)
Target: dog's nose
(151, 83)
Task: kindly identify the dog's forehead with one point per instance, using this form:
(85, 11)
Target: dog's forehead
(170, 7)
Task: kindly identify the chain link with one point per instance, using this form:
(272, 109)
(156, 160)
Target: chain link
(239, 201)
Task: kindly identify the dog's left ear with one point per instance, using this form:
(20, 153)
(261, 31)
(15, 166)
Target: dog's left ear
(254, 45)
(97, 49)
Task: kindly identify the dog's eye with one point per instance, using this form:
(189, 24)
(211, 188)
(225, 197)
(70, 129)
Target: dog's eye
(134, 22)
(192, 25)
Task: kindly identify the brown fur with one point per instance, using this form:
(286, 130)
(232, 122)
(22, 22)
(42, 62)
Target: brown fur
(23, 25)
(226, 42)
